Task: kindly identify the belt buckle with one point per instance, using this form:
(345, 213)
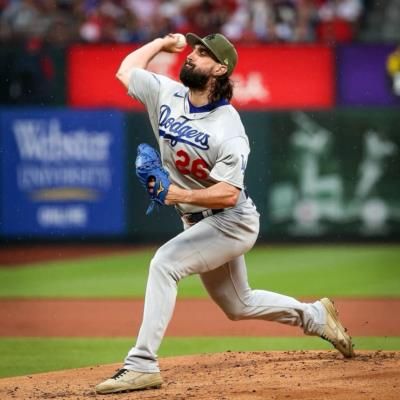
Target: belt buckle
(186, 219)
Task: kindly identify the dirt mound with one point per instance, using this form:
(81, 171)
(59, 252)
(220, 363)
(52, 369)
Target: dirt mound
(244, 375)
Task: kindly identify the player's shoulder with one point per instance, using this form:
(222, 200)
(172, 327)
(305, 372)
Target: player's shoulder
(230, 120)
(170, 85)
(229, 114)
(162, 80)
(231, 131)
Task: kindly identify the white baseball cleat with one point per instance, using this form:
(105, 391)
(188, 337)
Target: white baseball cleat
(334, 332)
(125, 381)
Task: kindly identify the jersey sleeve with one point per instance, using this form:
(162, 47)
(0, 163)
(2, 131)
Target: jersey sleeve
(231, 162)
(145, 86)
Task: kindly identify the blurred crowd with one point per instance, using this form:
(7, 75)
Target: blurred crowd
(61, 22)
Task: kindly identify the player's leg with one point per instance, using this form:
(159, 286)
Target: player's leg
(228, 287)
(198, 249)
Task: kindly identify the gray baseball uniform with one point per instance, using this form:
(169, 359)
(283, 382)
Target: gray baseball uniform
(199, 147)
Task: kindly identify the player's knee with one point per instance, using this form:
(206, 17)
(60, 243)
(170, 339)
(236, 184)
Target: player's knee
(235, 313)
(163, 266)
(233, 317)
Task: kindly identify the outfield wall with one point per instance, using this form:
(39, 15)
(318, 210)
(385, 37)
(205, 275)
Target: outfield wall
(323, 174)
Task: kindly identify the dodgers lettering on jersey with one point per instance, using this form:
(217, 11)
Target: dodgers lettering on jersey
(199, 147)
(179, 130)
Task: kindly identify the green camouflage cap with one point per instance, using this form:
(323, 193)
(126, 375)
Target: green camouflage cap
(222, 49)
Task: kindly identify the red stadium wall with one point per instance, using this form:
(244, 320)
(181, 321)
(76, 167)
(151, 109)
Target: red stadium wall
(267, 77)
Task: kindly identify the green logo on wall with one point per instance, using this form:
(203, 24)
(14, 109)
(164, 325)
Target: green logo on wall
(340, 175)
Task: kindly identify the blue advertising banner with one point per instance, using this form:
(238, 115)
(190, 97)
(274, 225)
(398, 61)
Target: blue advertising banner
(362, 77)
(62, 173)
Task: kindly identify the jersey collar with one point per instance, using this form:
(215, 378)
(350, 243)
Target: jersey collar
(208, 107)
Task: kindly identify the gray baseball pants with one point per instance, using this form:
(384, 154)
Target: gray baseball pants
(213, 248)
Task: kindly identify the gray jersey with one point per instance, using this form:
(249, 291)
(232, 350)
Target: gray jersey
(199, 146)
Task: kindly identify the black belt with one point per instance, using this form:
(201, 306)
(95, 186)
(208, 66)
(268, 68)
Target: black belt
(193, 218)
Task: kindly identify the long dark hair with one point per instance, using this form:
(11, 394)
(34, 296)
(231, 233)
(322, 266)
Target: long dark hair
(222, 88)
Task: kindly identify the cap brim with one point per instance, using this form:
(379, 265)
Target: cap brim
(193, 39)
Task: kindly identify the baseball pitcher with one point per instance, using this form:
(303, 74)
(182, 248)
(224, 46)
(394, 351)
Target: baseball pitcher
(199, 169)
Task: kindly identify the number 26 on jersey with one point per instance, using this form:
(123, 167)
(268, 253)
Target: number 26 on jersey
(186, 165)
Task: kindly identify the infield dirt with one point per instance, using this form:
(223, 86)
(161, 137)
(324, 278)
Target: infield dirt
(232, 376)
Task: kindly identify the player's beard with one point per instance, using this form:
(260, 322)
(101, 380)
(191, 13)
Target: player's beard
(193, 79)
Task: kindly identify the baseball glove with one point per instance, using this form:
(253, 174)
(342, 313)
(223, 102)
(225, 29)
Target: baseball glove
(152, 175)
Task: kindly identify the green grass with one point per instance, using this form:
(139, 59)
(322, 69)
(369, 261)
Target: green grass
(358, 271)
(25, 356)
(307, 271)
(363, 271)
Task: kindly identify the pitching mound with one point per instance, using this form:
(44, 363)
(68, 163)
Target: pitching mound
(244, 375)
